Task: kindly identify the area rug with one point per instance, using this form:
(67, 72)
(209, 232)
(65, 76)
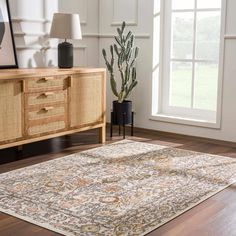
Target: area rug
(125, 188)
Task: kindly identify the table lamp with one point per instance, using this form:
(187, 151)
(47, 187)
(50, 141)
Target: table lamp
(65, 26)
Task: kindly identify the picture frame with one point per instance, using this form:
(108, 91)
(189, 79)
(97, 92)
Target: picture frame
(8, 57)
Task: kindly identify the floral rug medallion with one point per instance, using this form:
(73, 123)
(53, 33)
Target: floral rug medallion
(125, 188)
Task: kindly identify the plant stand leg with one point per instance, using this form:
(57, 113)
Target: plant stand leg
(123, 125)
(111, 127)
(132, 125)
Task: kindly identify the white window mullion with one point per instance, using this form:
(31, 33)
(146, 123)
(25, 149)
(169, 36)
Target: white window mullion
(199, 10)
(166, 54)
(194, 52)
(191, 60)
(162, 54)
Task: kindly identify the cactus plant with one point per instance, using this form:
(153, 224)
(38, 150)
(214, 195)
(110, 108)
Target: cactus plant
(126, 63)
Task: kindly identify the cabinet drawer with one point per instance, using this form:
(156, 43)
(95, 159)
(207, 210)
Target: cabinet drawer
(44, 112)
(41, 120)
(46, 128)
(46, 83)
(45, 98)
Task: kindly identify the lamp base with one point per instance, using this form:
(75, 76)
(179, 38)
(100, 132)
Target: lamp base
(65, 55)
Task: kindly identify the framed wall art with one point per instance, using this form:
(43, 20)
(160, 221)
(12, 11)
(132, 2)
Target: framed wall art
(8, 57)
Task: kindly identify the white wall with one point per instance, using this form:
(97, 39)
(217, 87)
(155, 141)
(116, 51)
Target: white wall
(100, 19)
(31, 24)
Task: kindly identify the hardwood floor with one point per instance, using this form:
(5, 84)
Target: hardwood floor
(214, 217)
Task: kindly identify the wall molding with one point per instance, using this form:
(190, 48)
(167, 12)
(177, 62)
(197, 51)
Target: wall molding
(42, 48)
(86, 35)
(30, 20)
(230, 36)
(137, 36)
(33, 34)
(129, 23)
(25, 47)
(37, 20)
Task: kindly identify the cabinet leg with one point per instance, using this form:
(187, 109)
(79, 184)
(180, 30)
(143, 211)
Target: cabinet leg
(19, 152)
(102, 134)
(20, 148)
(68, 140)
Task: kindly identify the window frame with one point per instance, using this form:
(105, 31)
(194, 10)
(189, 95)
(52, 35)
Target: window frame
(203, 118)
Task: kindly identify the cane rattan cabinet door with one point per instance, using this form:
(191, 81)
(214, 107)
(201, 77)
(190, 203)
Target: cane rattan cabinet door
(87, 99)
(11, 111)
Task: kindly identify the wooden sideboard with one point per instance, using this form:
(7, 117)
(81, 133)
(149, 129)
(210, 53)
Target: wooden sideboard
(39, 104)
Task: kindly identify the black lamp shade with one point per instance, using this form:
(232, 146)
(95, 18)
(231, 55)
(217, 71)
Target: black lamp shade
(65, 55)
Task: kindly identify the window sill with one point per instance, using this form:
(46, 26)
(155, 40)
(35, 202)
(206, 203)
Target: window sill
(185, 121)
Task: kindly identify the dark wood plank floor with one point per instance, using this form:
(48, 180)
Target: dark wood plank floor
(214, 217)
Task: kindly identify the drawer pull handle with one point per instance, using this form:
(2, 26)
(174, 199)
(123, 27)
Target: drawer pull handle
(46, 79)
(48, 108)
(46, 94)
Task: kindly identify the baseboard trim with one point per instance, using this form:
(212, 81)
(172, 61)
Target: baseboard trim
(182, 136)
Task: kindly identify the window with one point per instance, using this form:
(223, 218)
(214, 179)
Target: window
(189, 63)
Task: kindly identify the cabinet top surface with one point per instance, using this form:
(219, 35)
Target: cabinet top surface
(6, 74)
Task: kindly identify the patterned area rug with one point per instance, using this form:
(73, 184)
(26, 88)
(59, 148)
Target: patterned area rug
(125, 188)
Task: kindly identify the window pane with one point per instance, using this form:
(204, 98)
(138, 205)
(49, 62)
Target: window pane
(208, 35)
(209, 4)
(206, 81)
(182, 4)
(180, 84)
(157, 6)
(182, 35)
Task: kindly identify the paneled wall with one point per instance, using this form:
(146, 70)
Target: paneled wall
(31, 24)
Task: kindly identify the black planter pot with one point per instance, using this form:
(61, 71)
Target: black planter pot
(122, 113)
